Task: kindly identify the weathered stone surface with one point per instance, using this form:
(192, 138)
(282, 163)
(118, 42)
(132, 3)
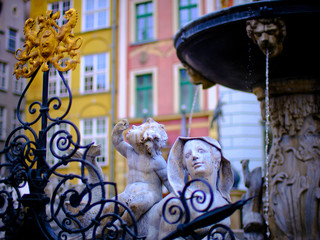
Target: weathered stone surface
(190, 158)
(294, 160)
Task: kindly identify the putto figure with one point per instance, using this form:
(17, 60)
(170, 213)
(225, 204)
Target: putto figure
(147, 168)
(50, 44)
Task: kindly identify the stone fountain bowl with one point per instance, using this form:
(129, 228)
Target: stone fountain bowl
(217, 46)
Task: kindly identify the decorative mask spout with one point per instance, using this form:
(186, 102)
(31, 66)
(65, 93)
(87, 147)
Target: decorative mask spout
(268, 34)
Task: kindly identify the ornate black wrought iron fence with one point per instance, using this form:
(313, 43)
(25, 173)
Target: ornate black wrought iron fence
(51, 209)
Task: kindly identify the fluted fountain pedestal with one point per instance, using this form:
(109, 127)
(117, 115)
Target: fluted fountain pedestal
(294, 158)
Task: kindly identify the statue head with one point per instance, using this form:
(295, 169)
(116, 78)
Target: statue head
(199, 157)
(150, 137)
(268, 34)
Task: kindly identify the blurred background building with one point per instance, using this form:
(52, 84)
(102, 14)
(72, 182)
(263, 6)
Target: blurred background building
(13, 14)
(90, 82)
(129, 69)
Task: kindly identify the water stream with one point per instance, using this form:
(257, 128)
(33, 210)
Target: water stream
(267, 142)
(192, 109)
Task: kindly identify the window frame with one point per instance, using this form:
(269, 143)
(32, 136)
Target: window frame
(94, 136)
(15, 121)
(145, 17)
(176, 14)
(177, 92)
(3, 122)
(4, 84)
(145, 89)
(133, 22)
(62, 10)
(94, 74)
(95, 11)
(132, 102)
(15, 39)
(60, 90)
(188, 7)
(191, 89)
(19, 85)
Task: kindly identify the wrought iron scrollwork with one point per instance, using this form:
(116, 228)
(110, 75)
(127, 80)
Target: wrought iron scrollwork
(65, 212)
(36, 196)
(192, 211)
(176, 209)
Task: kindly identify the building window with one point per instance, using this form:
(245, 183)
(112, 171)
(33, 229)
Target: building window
(56, 85)
(64, 130)
(95, 71)
(3, 124)
(187, 92)
(4, 71)
(19, 85)
(95, 130)
(15, 121)
(61, 6)
(188, 11)
(144, 21)
(96, 14)
(12, 39)
(144, 100)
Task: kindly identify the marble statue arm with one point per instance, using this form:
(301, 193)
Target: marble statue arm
(117, 137)
(161, 171)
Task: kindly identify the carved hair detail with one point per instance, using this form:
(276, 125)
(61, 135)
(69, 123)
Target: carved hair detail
(268, 34)
(151, 136)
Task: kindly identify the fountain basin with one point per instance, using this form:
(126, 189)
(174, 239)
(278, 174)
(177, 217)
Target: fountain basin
(218, 48)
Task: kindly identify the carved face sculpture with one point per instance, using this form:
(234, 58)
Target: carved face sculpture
(47, 43)
(214, 163)
(200, 158)
(268, 34)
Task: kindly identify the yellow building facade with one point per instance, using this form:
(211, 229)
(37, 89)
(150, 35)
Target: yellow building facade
(92, 109)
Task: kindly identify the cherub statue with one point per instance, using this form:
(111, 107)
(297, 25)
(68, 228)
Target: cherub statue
(147, 168)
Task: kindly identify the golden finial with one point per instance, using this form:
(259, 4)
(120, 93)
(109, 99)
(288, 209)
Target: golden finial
(50, 44)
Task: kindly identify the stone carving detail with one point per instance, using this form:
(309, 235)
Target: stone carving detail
(253, 222)
(147, 168)
(190, 159)
(49, 44)
(196, 78)
(268, 34)
(294, 170)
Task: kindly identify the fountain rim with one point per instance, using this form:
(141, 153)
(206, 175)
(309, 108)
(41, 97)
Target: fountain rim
(207, 25)
(252, 10)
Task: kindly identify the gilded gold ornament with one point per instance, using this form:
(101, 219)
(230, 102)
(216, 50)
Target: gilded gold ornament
(49, 44)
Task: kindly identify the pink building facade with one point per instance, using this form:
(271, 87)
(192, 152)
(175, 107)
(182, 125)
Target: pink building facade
(151, 80)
